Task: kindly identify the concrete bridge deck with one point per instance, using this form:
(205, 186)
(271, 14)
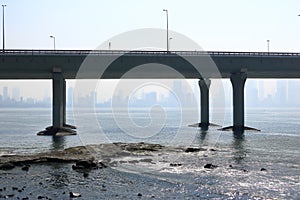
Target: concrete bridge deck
(38, 64)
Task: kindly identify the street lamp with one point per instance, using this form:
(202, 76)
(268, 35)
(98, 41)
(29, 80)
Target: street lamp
(51, 36)
(167, 14)
(268, 41)
(3, 6)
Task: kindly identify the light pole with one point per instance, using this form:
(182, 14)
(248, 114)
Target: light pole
(170, 42)
(167, 14)
(268, 41)
(51, 36)
(3, 6)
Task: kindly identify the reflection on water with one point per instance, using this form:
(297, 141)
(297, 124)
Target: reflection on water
(239, 149)
(203, 135)
(58, 143)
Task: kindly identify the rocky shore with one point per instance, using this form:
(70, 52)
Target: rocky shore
(118, 171)
(89, 171)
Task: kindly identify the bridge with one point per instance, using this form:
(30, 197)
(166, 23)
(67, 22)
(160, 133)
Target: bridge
(60, 65)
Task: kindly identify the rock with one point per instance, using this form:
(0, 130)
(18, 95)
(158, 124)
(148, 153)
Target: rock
(139, 195)
(210, 166)
(263, 169)
(139, 147)
(192, 149)
(25, 168)
(25, 198)
(42, 197)
(88, 164)
(85, 175)
(74, 195)
(7, 166)
(175, 164)
(75, 167)
(14, 188)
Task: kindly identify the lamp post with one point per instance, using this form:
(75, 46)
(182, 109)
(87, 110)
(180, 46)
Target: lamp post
(3, 6)
(51, 36)
(268, 41)
(167, 14)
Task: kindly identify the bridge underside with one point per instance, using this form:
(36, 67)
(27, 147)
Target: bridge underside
(40, 66)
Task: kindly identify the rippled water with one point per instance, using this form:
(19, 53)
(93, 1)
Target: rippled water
(240, 159)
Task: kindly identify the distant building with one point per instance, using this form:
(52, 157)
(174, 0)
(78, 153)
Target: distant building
(281, 93)
(5, 93)
(252, 94)
(151, 98)
(293, 93)
(16, 94)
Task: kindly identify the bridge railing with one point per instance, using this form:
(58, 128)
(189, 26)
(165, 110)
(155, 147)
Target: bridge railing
(121, 52)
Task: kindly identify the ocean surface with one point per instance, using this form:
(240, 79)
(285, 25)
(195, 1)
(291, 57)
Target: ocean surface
(275, 148)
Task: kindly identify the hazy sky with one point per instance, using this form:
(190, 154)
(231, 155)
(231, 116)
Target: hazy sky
(234, 25)
(231, 25)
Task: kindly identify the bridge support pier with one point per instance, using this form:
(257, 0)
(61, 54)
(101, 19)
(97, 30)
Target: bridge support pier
(59, 126)
(238, 82)
(204, 85)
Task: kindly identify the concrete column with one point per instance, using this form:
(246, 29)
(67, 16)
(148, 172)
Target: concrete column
(64, 102)
(238, 82)
(204, 85)
(58, 109)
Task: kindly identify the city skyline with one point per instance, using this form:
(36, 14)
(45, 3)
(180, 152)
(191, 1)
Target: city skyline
(257, 95)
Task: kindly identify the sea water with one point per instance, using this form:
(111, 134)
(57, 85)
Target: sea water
(240, 158)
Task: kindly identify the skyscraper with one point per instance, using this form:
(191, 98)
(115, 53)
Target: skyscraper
(5, 93)
(281, 93)
(16, 93)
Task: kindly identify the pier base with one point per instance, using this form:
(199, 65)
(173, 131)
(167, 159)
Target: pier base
(245, 128)
(238, 83)
(59, 126)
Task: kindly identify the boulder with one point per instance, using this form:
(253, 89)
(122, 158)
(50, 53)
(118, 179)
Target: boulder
(7, 166)
(192, 149)
(210, 166)
(74, 195)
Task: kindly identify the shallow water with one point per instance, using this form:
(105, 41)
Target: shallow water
(239, 159)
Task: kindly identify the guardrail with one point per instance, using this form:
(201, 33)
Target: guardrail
(121, 52)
